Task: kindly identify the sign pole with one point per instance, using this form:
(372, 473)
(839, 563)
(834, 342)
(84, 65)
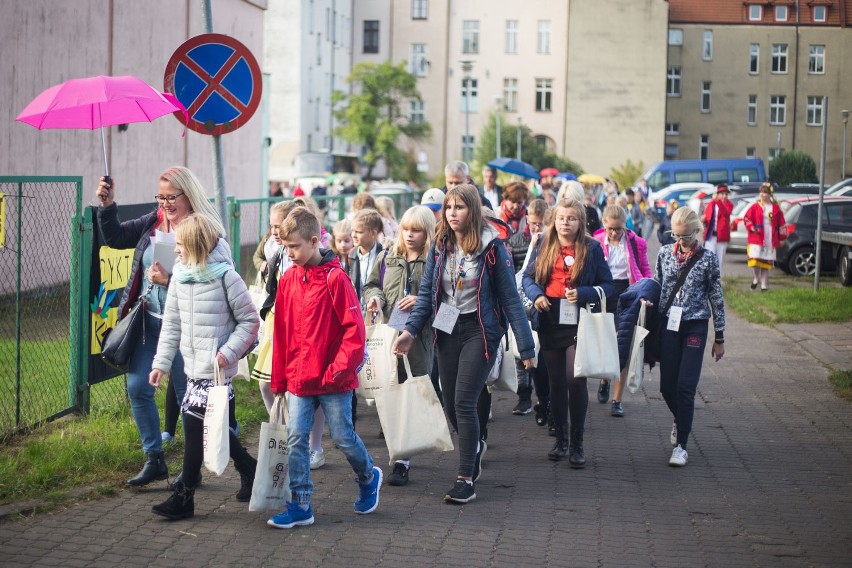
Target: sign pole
(821, 193)
(218, 167)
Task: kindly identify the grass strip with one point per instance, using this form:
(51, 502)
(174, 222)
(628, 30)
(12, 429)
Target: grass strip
(842, 381)
(791, 304)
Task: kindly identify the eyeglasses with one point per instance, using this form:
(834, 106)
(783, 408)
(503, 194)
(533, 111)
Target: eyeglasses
(167, 198)
(688, 237)
(615, 230)
(534, 224)
(568, 219)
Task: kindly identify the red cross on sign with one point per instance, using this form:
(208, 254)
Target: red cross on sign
(217, 79)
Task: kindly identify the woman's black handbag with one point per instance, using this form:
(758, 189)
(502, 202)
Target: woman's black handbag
(120, 341)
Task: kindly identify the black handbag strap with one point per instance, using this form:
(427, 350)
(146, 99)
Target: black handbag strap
(681, 279)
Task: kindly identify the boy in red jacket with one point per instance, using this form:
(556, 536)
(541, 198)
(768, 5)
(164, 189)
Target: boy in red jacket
(318, 345)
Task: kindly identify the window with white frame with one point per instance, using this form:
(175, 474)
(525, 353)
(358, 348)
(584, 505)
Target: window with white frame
(750, 152)
(418, 63)
(510, 95)
(752, 110)
(670, 151)
(672, 129)
(707, 51)
(467, 146)
(705, 96)
(470, 98)
(781, 13)
(419, 9)
(779, 57)
(673, 81)
(755, 13)
(470, 36)
(754, 58)
(543, 37)
(704, 147)
(543, 95)
(675, 36)
(371, 36)
(511, 36)
(815, 111)
(816, 59)
(819, 13)
(416, 112)
(778, 110)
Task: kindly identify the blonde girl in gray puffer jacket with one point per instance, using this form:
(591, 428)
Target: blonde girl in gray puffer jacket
(209, 314)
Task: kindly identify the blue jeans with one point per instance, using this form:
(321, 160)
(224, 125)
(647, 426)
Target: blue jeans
(141, 394)
(681, 355)
(338, 415)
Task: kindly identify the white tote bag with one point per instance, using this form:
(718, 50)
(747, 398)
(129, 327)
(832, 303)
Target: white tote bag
(504, 373)
(271, 489)
(516, 352)
(636, 359)
(380, 365)
(597, 346)
(217, 447)
(411, 416)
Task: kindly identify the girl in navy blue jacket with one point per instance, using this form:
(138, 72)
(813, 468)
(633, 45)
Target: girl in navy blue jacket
(560, 277)
(468, 286)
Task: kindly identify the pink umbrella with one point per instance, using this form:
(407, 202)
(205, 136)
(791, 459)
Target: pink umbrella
(95, 102)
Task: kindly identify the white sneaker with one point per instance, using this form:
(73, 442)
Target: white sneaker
(673, 436)
(317, 459)
(679, 457)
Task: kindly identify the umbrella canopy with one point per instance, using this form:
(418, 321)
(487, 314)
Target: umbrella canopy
(516, 167)
(591, 179)
(548, 172)
(566, 175)
(95, 102)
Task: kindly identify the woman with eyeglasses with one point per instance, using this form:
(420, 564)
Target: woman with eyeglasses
(767, 229)
(563, 269)
(686, 314)
(179, 194)
(626, 254)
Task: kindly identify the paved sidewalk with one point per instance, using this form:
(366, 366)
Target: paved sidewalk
(769, 483)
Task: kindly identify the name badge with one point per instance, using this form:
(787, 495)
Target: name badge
(446, 318)
(674, 318)
(398, 318)
(567, 313)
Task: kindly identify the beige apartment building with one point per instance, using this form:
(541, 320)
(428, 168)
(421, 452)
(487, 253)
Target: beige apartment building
(752, 78)
(587, 77)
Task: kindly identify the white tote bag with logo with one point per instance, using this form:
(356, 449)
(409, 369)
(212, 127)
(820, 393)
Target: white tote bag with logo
(380, 365)
(217, 446)
(271, 489)
(597, 346)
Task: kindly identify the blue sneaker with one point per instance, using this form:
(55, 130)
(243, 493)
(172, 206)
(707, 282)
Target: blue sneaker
(167, 439)
(291, 517)
(368, 496)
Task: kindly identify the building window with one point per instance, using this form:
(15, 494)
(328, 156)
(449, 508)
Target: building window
(511, 36)
(814, 111)
(419, 9)
(670, 151)
(705, 96)
(473, 95)
(755, 13)
(816, 59)
(672, 129)
(673, 82)
(754, 58)
(418, 64)
(371, 36)
(703, 146)
(543, 37)
(819, 13)
(416, 112)
(750, 152)
(510, 95)
(675, 36)
(467, 143)
(780, 13)
(773, 153)
(779, 57)
(778, 110)
(319, 50)
(707, 51)
(543, 94)
(752, 110)
(470, 36)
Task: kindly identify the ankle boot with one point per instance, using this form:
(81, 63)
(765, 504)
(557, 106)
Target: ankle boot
(181, 504)
(560, 447)
(576, 457)
(154, 470)
(247, 470)
(179, 479)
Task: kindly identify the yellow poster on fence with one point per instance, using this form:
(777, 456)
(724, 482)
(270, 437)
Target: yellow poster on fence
(115, 272)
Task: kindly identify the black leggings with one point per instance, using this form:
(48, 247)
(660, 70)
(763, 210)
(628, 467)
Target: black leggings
(193, 446)
(568, 394)
(172, 409)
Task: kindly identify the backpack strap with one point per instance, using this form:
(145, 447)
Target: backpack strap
(382, 270)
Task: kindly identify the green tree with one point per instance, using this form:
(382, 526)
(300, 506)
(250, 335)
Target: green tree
(372, 116)
(627, 173)
(532, 151)
(793, 167)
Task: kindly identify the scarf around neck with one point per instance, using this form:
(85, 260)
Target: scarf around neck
(211, 271)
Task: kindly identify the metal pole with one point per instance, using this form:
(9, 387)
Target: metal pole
(845, 114)
(499, 102)
(218, 167)
(466, 119)
(821, 193)
(18, 268)
(519, 139)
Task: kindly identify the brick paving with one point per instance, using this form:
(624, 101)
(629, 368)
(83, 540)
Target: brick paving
(769, 483)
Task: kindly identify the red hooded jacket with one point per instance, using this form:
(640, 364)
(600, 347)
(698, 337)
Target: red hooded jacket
(723, 219)
(753, 220)
(319, 336)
